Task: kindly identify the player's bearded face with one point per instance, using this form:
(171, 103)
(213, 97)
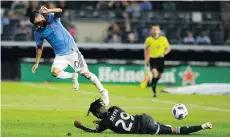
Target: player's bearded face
(40, 21)
(98, 115)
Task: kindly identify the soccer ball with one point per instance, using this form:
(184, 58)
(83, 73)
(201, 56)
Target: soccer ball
(179, 111)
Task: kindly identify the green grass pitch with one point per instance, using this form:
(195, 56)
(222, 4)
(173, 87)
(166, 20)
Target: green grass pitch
(49, 109)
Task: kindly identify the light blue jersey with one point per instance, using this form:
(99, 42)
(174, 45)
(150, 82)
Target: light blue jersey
(57, 36)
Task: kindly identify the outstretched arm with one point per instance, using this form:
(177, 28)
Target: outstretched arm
(78, 124)
(88, 129)
(38, 57)
(56, 10)
(46, 11)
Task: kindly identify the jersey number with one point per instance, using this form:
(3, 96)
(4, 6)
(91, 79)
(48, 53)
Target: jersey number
(76, 64)
(125, 116)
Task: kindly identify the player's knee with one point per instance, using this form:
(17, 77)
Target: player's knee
(155, 73)
(159, 75)
(55, 72)
(86, 74)
(155, 76)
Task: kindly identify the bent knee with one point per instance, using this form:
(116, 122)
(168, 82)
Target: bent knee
(155, 73)
(86, 74)
(159, 75)
(55, 72)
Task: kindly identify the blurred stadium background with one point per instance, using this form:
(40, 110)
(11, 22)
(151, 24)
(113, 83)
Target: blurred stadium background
(110, 35)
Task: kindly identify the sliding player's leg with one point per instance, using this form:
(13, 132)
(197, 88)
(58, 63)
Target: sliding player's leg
(184, 129)
(58, 67)
(191, 129)
(151, 126)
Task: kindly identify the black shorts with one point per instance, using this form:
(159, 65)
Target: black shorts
(150, 126)
(157, 63)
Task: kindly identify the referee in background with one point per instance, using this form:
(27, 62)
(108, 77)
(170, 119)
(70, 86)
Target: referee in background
(156, 47)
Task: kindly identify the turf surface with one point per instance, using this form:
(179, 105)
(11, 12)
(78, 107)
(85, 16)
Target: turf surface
(49, 109)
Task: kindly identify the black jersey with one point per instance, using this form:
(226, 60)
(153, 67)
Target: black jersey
(119, 121)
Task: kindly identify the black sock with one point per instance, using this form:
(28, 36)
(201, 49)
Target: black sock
(153, 84)
(157, 80)
(188, 129)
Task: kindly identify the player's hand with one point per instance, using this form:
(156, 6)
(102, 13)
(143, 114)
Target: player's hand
(44, 10)
(77, 124)
(96, 121)
(34, 68)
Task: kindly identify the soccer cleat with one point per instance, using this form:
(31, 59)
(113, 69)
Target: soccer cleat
(105, 96)
(207, 125)
(155, 95)
(75, 81)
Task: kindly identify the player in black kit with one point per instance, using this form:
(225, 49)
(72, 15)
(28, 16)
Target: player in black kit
(119, 121)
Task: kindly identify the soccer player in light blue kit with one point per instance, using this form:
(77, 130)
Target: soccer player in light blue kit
(49, 27)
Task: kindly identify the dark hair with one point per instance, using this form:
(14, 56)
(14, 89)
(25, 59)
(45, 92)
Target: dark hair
(95, 106)
(156, 25)
(33, 15)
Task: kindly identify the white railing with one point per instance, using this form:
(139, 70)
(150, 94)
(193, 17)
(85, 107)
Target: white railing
(139, 62)
(216, 48)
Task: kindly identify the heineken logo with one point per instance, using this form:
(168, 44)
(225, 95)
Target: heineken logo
(130, 75)
(107, 74)
(134, 74)
(188, 76)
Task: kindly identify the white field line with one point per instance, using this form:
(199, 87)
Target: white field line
(190, 105)
(194, 106)
(121, 97)
(68, 107)
(57, 89)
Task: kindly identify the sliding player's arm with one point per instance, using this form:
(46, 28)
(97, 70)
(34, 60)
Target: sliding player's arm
(78, 124)
(167, 47)
(88, 129)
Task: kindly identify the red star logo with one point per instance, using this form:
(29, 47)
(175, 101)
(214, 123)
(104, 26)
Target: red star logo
(188, 76)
